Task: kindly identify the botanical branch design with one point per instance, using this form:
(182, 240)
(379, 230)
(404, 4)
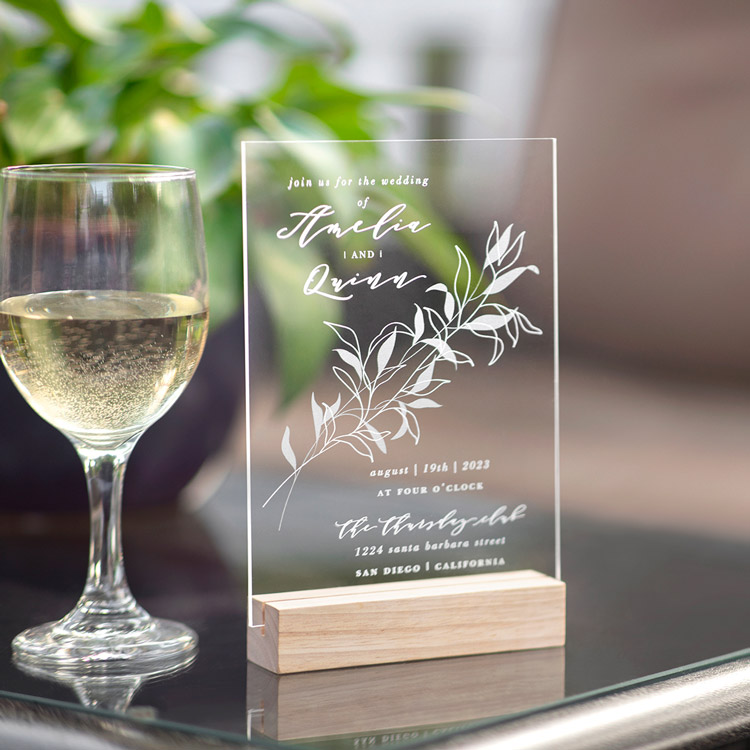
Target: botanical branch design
(379, 387)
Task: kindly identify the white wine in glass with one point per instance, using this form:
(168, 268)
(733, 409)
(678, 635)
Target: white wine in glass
(103, 318)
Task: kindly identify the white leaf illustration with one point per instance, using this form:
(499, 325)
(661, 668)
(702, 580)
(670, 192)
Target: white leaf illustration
(317, 414)
(509, 258)
(424, 403)
(498, 351)
(332, 410)
(438, 288)
(500, 309)
(464, 310)
(504, 280)
(424, 378)
(429, 389)
(462, 358)
(414, 430)
(346, 334)
(527, 325)
(450, 306)
(463, 261)
(450, 301)
(488, 322)
(401, 409)
(418, 324)
(444, 351)
(351, 360)
(436, 322)
(346, 380)
(385, 351)
(286, 449)
(497, 246)
(358, 445)
(513, 330)
(376, 437)
(401, 430)
(411, 421)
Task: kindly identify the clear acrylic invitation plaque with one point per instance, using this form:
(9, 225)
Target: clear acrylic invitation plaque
(402, 391)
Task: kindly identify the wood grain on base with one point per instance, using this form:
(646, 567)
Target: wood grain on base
(392, 622)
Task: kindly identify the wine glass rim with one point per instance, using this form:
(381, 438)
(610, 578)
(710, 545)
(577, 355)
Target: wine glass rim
(85, 172)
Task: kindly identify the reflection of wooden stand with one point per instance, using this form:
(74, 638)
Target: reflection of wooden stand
(392, 622)
(400, 696)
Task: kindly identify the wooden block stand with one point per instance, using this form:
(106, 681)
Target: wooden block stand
(381, 623)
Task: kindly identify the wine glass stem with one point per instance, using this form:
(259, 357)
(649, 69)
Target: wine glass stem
(106, 591)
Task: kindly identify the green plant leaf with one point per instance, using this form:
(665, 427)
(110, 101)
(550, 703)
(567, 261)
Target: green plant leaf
(139, 98)
(118, 89)
(302, 345)
(7, 53)
(53, 15)
(151, 19)
(222, 224)
(206, 144)
(41, 120)
(230, 25)
(127, 56)
(308, 88)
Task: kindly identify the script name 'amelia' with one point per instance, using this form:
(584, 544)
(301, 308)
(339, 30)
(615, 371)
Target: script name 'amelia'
(310, 225)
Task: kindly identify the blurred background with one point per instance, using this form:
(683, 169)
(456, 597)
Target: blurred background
(649, 101)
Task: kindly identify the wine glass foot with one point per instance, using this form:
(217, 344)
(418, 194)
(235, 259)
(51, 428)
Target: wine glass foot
(154, 644)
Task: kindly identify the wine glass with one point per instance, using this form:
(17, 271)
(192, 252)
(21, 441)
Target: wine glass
(103, 318)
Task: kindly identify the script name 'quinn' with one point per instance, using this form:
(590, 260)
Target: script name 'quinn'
(319, 276)
(310, 225)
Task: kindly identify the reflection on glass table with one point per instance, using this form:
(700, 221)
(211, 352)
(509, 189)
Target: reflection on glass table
(629, 615)
(401, 698)
(107, 689)
(175, 567)
(37, 724)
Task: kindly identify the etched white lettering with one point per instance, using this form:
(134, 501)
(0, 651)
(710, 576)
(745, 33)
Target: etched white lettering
(308, 227)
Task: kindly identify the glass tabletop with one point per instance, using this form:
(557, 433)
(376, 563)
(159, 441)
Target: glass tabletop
(639, 602)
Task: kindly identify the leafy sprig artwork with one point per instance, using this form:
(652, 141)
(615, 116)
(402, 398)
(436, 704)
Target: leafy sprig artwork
(387, 383)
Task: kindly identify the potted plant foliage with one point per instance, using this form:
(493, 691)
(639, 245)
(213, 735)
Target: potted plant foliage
(74, 88)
